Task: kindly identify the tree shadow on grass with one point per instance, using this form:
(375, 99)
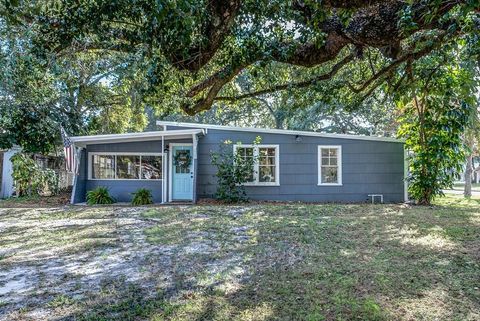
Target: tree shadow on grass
(333, 262)
(373, 266)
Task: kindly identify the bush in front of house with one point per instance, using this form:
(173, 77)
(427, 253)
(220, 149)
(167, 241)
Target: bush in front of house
(142, 196)
(233, 171)
(99, 195)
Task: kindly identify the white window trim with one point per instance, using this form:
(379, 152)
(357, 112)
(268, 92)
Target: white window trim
(339, 164)
(256, 164)
(90, 165)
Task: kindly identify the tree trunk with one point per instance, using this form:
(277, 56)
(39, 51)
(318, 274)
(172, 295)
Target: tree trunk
(467, 192)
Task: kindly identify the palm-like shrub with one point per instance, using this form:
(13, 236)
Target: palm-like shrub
(99, 195)
(142, 196)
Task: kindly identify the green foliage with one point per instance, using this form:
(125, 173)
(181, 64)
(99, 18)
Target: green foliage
(142, 196)
(437, 153)
(433, 122)
(30, 179)
(331, 112)
(99, 195)
(61, 65)
(176, 44)
(87, 92)
(233, 171)
(28, 96)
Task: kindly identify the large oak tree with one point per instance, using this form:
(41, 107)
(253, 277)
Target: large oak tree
(195, 48)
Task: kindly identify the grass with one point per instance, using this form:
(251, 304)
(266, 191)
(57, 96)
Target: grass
(280, 262)
(36, 201)
(475, 186)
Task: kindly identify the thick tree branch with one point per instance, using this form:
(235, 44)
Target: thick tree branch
(411, 55)
(301, 84)
(375, 24)
(222, 16)
(371, 26)
(205, 103)
(219, 76)
(192, 45)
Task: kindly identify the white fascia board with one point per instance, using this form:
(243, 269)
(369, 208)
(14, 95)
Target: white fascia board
(280, 131)
(132, 137)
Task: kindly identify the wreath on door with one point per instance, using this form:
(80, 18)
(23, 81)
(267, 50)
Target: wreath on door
(182, 159)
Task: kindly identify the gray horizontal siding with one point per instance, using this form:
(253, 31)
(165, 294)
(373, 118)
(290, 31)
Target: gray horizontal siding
(305, 188)
(368, 167)
(121, 190)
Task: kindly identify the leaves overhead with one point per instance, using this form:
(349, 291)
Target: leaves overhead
(85, 92)
(191, 51)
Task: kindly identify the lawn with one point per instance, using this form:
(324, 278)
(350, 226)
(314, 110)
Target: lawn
(251, 262)
(475, 186)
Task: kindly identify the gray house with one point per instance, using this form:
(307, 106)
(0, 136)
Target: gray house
(175, 164)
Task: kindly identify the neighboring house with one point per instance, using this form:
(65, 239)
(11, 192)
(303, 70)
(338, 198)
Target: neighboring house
(175, 164)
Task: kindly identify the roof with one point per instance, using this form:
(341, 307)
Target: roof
(280, 131)
(134, 137)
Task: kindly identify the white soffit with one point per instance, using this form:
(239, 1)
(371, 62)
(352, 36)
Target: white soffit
(134, 137)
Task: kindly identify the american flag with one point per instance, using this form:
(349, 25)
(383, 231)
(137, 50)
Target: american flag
(69, 149)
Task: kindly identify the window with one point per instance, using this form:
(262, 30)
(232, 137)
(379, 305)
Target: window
(329, 165)
(247, 154)
(151, 167)
(267, 164)
(125, 166)
(265, 170)
(182, 155)
(128, 167)
(103, 167)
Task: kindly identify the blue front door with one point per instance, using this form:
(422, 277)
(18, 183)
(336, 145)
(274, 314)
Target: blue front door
(182, 173)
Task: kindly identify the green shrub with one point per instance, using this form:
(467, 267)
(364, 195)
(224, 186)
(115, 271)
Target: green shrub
(233, 171)
(30, 179)
(142, 196)
(433, 127)
(99, 195)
